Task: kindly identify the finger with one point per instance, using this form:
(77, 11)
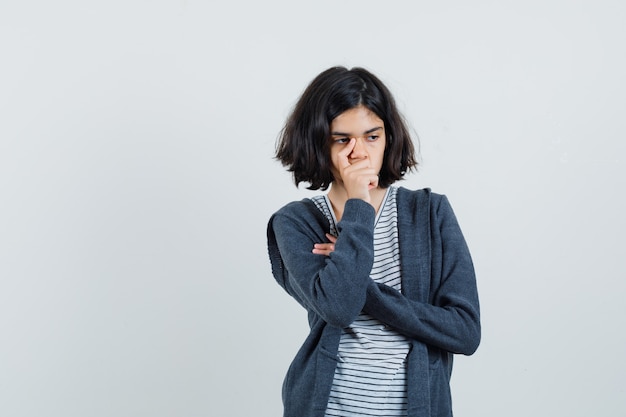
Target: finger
(357, 167)
(330, 237)
(344, 153)
(360, 173)
(373, 182)
(321, 252)
(323, 248)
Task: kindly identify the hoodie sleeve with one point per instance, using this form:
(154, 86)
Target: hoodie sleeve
(450, 319)
(333, 287)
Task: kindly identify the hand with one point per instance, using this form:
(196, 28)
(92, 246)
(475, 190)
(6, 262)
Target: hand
(325, 248)
(357, 175)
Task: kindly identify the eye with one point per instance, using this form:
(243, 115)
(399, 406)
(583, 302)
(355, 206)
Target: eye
(372, 138)
(341, 140)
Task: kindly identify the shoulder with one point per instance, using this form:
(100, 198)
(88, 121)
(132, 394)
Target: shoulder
(424, 205)
(421, 197)
(303, 209)
(302, 214)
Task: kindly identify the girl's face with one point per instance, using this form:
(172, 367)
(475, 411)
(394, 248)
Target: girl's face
(369, 131)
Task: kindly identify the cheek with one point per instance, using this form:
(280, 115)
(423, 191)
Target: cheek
(334, 158)
(380, 157)
(378, 151)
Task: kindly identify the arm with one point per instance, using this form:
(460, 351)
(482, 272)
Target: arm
(332, 286)
(450, 320)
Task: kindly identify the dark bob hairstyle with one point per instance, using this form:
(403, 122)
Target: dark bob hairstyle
(303, 145)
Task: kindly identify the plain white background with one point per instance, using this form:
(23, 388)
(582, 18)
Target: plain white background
(136, 180)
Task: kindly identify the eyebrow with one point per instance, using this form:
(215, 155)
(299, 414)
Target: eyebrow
(374, 129)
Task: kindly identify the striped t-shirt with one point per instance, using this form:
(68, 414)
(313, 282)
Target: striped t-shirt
(370, 378)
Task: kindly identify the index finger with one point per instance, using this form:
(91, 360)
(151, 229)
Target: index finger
(343, 154)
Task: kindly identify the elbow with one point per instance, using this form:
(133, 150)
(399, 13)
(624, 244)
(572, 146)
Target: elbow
(341, 317)
(342, 323)
(341, 313)
(465, 338)
(471, 341)
(340, 307)
(472, 345)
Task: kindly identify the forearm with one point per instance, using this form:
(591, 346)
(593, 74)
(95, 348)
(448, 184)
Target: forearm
(334, 287)
(454, 326)
(439, 305)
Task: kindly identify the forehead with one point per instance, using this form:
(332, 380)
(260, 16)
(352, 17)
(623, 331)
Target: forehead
(356, 118)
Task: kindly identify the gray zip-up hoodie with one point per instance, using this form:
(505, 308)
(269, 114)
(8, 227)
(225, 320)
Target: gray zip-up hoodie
(437, 310)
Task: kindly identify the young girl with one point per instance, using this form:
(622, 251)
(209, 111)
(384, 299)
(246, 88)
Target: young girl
(384, 272)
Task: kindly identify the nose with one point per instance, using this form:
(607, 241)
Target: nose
(358, 152)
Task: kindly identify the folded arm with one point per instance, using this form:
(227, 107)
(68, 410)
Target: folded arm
(333, 286)
(450, 319)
